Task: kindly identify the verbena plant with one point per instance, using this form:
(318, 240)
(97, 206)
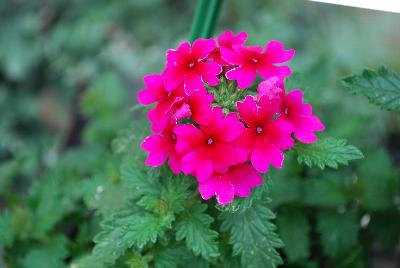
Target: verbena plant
(141, 216)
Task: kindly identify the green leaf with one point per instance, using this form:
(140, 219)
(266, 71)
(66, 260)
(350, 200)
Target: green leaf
(324, 192)
(384, 226)
(339, 232)
(382, 87)
(195, 229)
(294, 229)
(242, 204)
(7, 232)
(253, 236)
(126, 229)
(170, 257)
(326, 152)
(50, 255)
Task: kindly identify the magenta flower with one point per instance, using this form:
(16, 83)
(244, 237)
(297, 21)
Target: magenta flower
(300, 115)
(273, 88)
(238, 180)
(168, 103)
(265, 138)
(162, 146)
(227, 40)
(208, 149)
(186, 65)
(251, 59)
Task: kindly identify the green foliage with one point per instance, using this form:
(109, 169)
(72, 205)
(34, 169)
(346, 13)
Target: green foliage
(70, 70)
(382, 87)
(294, 229)
(339, 232)
(253, 236)
(195, 230)
(126, 229)
(327, 152)
(50, 255)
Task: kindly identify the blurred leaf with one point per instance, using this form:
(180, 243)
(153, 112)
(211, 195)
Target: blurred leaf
(326, 152)
(50, 255)
(382, 87)
(339, 232)
(324, 192)
(294, 230)
(7, 233)
(384, 226)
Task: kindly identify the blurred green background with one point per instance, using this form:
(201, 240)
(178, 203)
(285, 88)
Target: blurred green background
(69, 73)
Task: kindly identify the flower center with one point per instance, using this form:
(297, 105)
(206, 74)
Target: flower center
(210, 141)
(259, 130)
(254, 60)
(191, 64)
(287, 110)
(173, 136)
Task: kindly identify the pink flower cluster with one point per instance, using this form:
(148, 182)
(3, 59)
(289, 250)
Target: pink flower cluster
(225, 151)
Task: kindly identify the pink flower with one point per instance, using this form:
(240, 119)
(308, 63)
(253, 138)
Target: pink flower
(273, 88)
(186, 65)
(238, 180)
(168, 103)
(300, 115)
(200, 106)
(208, 149)
(162, 146)
(265, 138)
(227, 40)
(251, 59)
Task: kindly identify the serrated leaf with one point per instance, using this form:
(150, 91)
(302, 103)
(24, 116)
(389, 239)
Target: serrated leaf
(170, 257)
(126, 229)
(253, 236)
(195, 229)
(339, 232)
(381, 87)
(327, 152)
(294, 229)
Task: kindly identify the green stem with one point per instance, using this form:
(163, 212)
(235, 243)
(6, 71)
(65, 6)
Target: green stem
(211, 19)
(205, 19)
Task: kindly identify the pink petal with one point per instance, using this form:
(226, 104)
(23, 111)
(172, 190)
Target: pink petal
(267, 71)
(174, 76)
(209, 72)
(305, 136)
(200, 106)
(232, 56)
(277, 54)
(262, 157)
(244, 75)
(182, 112)
(244, 178)
(202, 47)
(224, 193)
(243, 145)
(192, 83)
(188, 137)
(273, 88)
(247, 110)
(223, 157)
(229, 40)
(154, 90)
(155, 146)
